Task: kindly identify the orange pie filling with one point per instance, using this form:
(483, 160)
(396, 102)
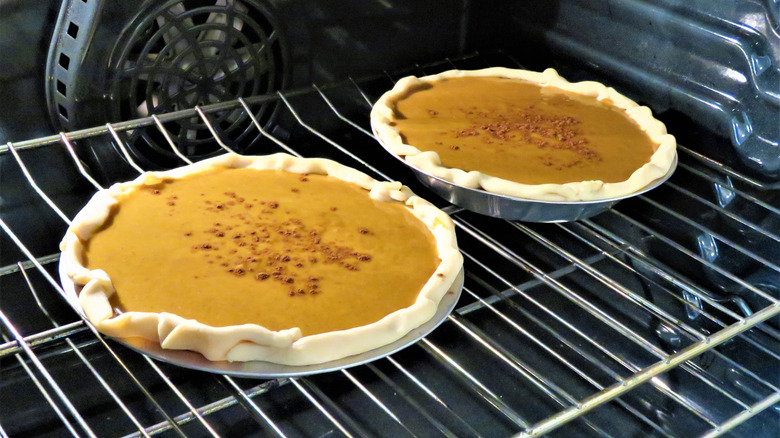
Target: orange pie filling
(524, 129)
(299, 254)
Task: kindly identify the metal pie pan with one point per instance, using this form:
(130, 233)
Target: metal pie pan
(526, 210)
(268, 370)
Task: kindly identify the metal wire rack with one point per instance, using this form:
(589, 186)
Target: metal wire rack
(591, 328)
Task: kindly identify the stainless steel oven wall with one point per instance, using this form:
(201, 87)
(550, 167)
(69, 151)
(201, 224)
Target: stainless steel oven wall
(708, 69)
(25, 34)
(712, 62)
(26, 29)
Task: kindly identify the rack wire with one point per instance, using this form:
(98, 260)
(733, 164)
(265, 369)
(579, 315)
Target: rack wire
(581, 328)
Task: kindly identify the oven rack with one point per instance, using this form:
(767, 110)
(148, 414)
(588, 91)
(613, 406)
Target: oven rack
(551, 335)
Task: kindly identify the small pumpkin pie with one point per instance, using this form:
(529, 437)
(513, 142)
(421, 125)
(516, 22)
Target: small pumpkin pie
(524, 134)
(275, 258)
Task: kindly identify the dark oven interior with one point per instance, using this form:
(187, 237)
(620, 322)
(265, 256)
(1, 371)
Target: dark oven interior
(655, 318)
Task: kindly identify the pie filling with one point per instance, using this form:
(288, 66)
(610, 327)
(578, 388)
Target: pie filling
(522, 132)
(236, 246)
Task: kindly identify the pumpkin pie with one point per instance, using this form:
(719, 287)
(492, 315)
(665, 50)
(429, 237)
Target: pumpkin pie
(524, 134)
(275, 258)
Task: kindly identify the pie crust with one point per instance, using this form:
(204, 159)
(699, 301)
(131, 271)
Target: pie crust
(249, 342)
(383, 115)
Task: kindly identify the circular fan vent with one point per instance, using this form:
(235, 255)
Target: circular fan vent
(184, 53)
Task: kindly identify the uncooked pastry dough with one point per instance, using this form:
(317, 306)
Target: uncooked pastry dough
(250, 341)
(382, 117)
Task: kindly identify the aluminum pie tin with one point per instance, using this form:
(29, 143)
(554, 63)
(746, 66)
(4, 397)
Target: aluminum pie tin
(520, 209)
(268, 370)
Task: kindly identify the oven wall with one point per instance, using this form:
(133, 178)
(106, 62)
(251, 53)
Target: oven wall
(26, 29)
(708, 68)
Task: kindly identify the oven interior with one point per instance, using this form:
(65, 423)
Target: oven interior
(655, 318)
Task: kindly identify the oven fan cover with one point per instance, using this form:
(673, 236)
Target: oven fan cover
(110, 61)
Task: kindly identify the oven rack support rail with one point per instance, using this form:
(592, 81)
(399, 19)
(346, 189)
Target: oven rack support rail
(572, 408)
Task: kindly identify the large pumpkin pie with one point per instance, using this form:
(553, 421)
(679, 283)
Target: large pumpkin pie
(275, 258)
(524, 134)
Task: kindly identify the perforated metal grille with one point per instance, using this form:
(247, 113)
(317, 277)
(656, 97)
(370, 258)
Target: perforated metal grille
(185, 53)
